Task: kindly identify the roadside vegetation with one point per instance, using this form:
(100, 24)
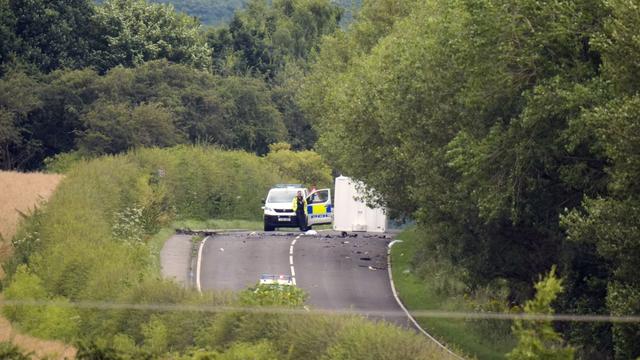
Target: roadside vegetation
(94, 242)
(437, 285)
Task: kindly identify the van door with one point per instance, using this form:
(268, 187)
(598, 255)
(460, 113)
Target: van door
(319, 207)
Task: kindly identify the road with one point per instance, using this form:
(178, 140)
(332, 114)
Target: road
(338, 273)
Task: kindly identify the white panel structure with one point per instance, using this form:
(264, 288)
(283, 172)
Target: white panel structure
(351, 214)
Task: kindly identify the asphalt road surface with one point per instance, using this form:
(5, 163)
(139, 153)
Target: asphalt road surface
(338, 273)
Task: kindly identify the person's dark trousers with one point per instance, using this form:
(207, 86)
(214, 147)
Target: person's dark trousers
(302, 220)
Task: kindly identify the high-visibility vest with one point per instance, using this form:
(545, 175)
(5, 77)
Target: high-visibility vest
(295, 204)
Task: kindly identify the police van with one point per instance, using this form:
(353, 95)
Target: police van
(278, 207)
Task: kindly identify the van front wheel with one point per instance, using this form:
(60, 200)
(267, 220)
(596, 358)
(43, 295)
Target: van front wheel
(267, 227)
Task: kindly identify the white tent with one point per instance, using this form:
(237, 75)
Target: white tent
(351, 214)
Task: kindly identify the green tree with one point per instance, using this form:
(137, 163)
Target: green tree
(134, 31)
(261, 39)
(115, 128)
(19, 98)
(50, 34)
(306, 166)
(536, 338)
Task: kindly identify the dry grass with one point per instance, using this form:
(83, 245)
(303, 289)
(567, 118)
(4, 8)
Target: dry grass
(48, 349)
(21, 193)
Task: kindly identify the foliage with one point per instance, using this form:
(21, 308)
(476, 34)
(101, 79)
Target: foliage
(10, 351)
(136, 31)
(307, 166)
(262, 38)
(488, 137)
(209, 12)
(538, 339)
(105, 78)
(273, 295)
(156, 104)
(426, 282)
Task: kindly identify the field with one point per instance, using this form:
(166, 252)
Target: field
(20, 193)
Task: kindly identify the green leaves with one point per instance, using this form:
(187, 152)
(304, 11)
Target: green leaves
(538, 339)
(136, 31)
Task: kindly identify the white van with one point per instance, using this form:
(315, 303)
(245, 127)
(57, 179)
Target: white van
(278, 207)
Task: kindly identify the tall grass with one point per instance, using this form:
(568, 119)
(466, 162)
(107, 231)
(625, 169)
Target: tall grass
(438, 285)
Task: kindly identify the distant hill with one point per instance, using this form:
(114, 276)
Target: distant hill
(214, 12)
(210, 12)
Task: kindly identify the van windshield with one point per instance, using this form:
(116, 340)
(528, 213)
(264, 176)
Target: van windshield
(281, 195)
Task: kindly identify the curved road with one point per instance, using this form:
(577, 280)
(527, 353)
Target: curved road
(338, 273)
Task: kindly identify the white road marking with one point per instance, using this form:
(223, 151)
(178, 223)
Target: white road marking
(411, 318)
(293, 271)
(199, 264)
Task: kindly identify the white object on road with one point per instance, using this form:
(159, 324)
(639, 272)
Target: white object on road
(353, 214)
(221, 249)
(311, 232)
(268, 279)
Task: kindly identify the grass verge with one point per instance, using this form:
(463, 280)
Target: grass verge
(218, 224)
(417, 293)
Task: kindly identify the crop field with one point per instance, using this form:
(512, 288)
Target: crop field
(20, 193)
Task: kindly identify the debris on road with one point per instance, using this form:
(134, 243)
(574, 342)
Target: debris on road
(311, 232)
(221, 249)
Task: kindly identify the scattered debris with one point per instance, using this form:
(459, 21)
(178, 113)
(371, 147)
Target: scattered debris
(366, 258)
(372, 268)
(406, 271)
(221, 249)
(344, 242)
(344, 234)
(311, 232)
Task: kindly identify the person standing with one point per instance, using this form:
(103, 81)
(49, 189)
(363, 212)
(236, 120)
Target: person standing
(300, 208)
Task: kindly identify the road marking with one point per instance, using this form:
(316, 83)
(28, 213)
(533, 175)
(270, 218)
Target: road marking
(293, 271)
(199, 264)
(411, 318)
